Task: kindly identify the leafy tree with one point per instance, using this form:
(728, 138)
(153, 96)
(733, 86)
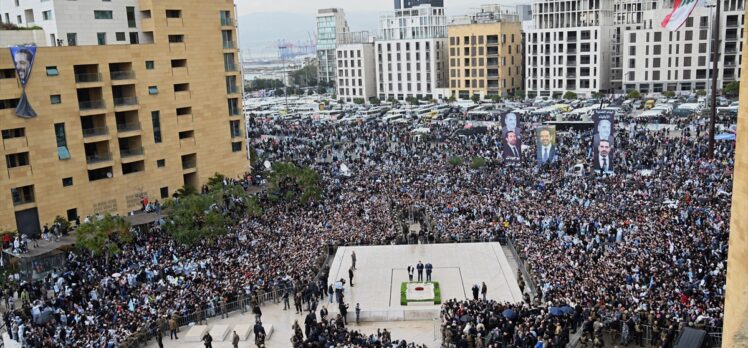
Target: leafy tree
(279, 92)
(321, 89)
(63, 223)
(701, 93)
(456, 161)
(452, 99)
(598, 95)
(289, 182)
(668, 94)
(633, 94)
(519, 94)
(259, 84)
(104, 237)
(184, 191)
(326, 102)
(375, 101)
(195, 217)
(477, 162)
(475, 98)
(334, 97)
(310, 92)
(411, 100)
(732, 88)
(496, 99)
(556, 95)
(359, 101)
(532, 95)
(341, 101)
(306, 76)
(569, 95)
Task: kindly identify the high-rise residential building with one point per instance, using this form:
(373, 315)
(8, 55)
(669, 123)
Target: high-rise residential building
(568, 47)
(654, 59)
(404, 4)
(411, 54)
(356, 67)
(330, 22)
(524, 12)
(70, 23)
(485, 53)
(116, 124)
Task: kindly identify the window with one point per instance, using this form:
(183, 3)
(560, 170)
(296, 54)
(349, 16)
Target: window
(101, 38)
(236, 147)
(72, 214)
(17, 159)
(101, 14)
(176, 38)
(164, 192)
(152, 90)
(686, 61)
(67, 182)
(656, 49)
(657, 36)
(52, 71)
(47, 15)
(120, 36)
(14, 133)
(155, 118)
(161, 163)
(702, 48)
(72, 39)
(130, 16)
(149, 65)
(55, 99)
(62, 143)
(22, 195)
(173, 14)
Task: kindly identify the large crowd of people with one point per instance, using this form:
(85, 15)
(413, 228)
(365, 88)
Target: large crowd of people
(646, 246)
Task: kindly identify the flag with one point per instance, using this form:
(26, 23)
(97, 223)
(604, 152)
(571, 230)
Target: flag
(681, 11)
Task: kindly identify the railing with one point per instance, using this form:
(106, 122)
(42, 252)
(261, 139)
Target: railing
(189, 164)
(123, 75)
(237, 133)
(230, 67)
(227, 22)
(128, 127)
(87, 77)
(92, 104)
(131, 152)
(98, 158)
(126, 101)
(95, 131)
(231, 89)
(731, 37)
(732, 24)
(229, 44)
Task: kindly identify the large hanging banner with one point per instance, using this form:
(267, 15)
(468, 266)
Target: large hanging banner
(603, 141)
(681, 11)
(511, 137)
(23, 60)
(545, 143)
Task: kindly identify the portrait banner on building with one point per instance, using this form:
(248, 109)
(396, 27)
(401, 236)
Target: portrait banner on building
(511, 137)
(603, 141)
(23, 60)
(545, 142)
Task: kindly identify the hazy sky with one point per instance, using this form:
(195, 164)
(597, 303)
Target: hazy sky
(263, 22)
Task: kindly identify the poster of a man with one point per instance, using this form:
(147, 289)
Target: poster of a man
(603, 157)
(546, 145)
(23, 60)
(511, 136)
(604, 121)
(512, 148)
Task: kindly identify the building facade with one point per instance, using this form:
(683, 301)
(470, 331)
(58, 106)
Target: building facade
(70, 23)
(568, 47)
(356, 67)
(330, 22)
(119, 123)
(403, 4)
(411, 54)
(485, 54)
(655, 59)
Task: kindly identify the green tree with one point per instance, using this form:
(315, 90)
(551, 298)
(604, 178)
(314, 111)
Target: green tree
(341, 101)
(532, 95)
(557, 95)
(475, 98)
(520, 94)
(310, 92)
(701, 93)
(598, 95)
(477, 162)
(456, 161)
(452, 99)
(279, 92)
(195, 217)
(668, 94)
(375, 101)
(411, 100)
(496, 99)
(732, 89)
(289, 182)
(104, 237)
(306, 76)
(359, 101)
(569, 95)
(633, 94)
(259, 84)
(321, 89)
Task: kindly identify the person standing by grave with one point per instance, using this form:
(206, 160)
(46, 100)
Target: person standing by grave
(419, 268)
(429, 268)
(353, 260)
(484, 290)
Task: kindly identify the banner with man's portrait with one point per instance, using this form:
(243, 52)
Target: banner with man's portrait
(545, 143)
(603, 141)
(23, 61)
(511, 137)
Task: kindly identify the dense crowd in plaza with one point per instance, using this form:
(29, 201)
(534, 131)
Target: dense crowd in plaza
(646, 246)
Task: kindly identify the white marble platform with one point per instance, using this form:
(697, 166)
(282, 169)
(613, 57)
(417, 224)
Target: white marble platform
(195, 333)
(243, 330)
(219, 332)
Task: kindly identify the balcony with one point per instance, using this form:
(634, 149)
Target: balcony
(732, 24)
(13, 145)
(98, 158)
(95, 134)
(87, 78)
(146, 24)
(131, 152)
(232, 89)
(92, 105)
(571, 51)
(731, 37)
(187, 145)
(127, 103)
(227, 22)
(20, 172)
(730, 64)
(237, 133)
(573, 63)
(182, 96)
(123, 75)
(729, 77)
(230, 67)
(229, 45)
(128, 128)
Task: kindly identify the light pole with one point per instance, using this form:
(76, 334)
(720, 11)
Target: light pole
(715, 66)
